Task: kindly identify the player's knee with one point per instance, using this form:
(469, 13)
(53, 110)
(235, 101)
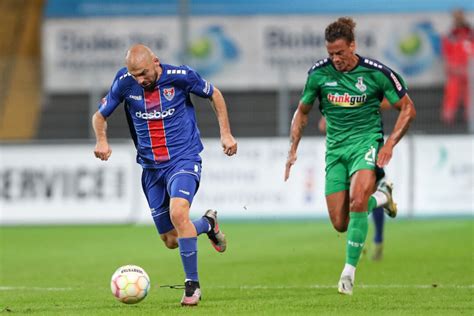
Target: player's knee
(180, 219)
(357, 204)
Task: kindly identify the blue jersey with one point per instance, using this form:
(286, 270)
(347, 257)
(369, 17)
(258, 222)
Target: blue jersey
(162, 122)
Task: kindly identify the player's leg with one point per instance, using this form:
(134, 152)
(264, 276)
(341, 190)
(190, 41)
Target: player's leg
(166, 211)
(338, 201)
(183, 183)
(362, 186)
(181, 190)
(379, 219)
(361, 161)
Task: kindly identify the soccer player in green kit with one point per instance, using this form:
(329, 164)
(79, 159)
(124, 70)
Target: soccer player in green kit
(350, 88)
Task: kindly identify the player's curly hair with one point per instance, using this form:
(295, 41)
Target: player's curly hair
(343, 28)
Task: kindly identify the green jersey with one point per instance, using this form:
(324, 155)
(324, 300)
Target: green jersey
(350, 101)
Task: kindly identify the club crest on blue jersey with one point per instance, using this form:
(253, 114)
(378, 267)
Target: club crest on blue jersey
(168, 93)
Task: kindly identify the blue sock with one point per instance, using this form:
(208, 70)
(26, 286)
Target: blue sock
(202, 225)
(188, 251)
(379, 218)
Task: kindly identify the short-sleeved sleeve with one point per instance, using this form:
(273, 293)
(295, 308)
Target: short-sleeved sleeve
(310, 91)
(113, 98)
(393, 86)
(197, 85)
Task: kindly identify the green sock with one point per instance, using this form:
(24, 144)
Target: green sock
(371, 205)
(356, 235)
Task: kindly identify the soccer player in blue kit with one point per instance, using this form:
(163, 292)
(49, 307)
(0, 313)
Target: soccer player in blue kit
(163, 127)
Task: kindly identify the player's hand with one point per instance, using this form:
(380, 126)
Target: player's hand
(229, 145)
(102, 151)
(290, 161)
(384, 156)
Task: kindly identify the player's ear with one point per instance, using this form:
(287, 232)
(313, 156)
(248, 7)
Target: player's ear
(352, 46)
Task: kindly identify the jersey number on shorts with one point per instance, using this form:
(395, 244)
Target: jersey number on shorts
(370, 156)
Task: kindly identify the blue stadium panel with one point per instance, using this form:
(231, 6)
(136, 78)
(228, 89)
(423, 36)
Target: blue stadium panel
(92, 8)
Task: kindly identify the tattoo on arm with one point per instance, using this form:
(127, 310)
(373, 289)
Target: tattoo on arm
(300, 119)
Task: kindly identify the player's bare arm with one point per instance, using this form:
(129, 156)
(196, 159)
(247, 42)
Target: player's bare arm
(102, 149)
(407, 114)
(229, 144)
(300, 119)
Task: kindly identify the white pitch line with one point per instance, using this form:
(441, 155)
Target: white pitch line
(363, 286)
(274, 287)
(34, 288)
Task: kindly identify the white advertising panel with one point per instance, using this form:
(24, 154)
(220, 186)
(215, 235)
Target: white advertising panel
(444, 175)
(237, 52)
(65, 184)
(252, 184)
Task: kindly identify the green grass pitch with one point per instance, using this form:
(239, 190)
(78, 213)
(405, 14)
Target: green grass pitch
(270, 268)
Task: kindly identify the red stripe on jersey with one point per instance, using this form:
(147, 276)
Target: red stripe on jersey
(156, 127)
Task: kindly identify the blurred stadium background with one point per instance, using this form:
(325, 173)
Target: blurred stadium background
(57, 60)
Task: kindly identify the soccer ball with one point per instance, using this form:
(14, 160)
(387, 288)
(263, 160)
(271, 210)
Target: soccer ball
(130, 284)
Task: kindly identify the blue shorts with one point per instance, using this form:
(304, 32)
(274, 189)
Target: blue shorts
(177, 180)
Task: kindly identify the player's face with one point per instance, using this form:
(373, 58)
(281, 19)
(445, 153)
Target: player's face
(342, 54)
(145, 73)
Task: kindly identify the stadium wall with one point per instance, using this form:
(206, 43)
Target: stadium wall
(433, 175)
